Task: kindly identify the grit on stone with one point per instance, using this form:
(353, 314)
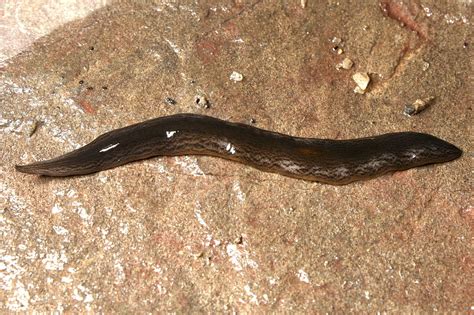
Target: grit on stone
(200, 234)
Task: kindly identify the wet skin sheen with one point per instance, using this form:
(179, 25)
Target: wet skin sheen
(334, 162)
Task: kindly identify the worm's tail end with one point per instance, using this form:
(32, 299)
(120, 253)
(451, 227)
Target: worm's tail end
(28, 169)
(69, 164)
(40, 168)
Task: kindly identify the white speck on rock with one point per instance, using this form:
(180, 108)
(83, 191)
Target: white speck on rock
(8, 194)
(59, 192)
(82, 212)
(66, 279)
(17, 126)
(161, 289)
(253, 296)
(81, 293)
(303, 276)
(108, 210)
(102, 178)
(239, 259)
(54, 261)
(71, 193)
(175, 47)
(123, 228)
(236, 77)
(31, 255)
(238, 191)
(428, 11)
(454, 18)
(157, 269)
(89, 298)
(197, 213)
(56, 209)
(20, 299)
(119, 272)
(63, 136)
(130, 207)
(75, 295)
(189, 165)
(10, 271)
(4, 122)
(272, 280)
(60, 230)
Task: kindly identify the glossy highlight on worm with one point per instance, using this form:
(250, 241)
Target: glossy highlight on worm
(334, 162)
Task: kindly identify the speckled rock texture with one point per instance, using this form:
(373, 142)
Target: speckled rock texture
(200, 234)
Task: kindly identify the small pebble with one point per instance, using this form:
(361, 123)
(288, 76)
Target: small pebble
(338, 44)
(239, 240)
(236, 77)
(417, 106)
(200, 255)
(345, 64)
(336, 40)
(338, 50)
(362, 80)
(426, 65)
(34, 126)
(170, 101)
(358, 90)
(202, 101)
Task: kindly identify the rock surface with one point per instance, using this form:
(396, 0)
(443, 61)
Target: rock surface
(199, 234)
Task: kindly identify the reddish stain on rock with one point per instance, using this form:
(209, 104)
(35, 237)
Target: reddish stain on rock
(468, 214)
(167, 240)
(86, 106)
(466, 263)
(207, 50)
(319, 70)
(211, 46)
(406, 14)
(231, 29)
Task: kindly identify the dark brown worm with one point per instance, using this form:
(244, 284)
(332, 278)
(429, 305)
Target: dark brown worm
(334, 162)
